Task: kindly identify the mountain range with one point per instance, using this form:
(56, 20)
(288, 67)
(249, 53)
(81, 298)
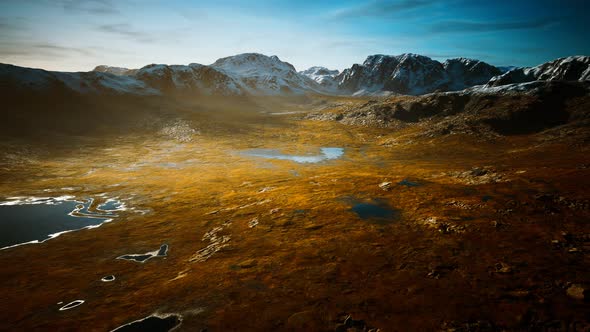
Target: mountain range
(257, 74)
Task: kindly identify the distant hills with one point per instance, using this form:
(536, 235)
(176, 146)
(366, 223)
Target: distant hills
(261, 75)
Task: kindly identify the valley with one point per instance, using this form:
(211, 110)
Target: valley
(264, 230)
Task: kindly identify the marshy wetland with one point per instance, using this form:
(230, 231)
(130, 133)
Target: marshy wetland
(280, 223)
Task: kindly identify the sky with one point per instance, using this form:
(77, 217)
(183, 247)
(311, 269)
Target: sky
(70, 35)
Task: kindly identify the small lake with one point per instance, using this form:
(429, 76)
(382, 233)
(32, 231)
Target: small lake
(142, 258)
(34, 220)
(326, 153)
(374, 211)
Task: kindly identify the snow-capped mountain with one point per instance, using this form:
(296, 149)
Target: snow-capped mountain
(259, 74)
(81, 82)
(464, 73)
(573, 68)
(114, 70)
(323, 76)
(249, 73)
(413, 74)
(194, 78)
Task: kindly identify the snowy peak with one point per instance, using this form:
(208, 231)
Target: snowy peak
(259, 74)
(405, 74)
(319, 71)
(195, 78)
(323, 76)
(253, 64)
(413, 74)
(114, 70)
(573, 68)
(416, 74)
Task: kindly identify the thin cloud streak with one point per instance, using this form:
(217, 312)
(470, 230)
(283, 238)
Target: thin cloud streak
(57, 48)
(126, 30)
(97, 7)
(41, 50)
(381, 8)
(476, 27)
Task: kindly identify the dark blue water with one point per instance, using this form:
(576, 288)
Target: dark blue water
(374, 211)
(45, 219)
(378, 213)
(26, 223)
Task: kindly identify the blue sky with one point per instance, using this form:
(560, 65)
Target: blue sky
(74, 35)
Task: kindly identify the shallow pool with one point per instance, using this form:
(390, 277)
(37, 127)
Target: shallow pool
(34, 220)
(326, 153)
(375, 211)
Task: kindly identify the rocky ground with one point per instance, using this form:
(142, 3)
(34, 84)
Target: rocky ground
(553, 110)
(490, 232)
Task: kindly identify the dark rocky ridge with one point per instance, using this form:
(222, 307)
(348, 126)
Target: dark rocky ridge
(574, 68)
(413, 74)
(548, 105)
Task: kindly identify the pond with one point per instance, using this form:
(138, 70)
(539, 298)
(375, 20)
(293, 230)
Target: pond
(326, 153)
(374, 211)
(142, 258)
(37, 219)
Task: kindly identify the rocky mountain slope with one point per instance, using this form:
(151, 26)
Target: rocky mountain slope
(195, 79)
(555, 108)
(573, 68)
(14, 78)
(463, 72)
(413, 74)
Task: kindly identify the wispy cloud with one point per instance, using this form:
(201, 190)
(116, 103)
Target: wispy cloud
(478, 26)
(62, 49)
(381, 8)
(127, 31)
(97, 7)
(41, 50)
